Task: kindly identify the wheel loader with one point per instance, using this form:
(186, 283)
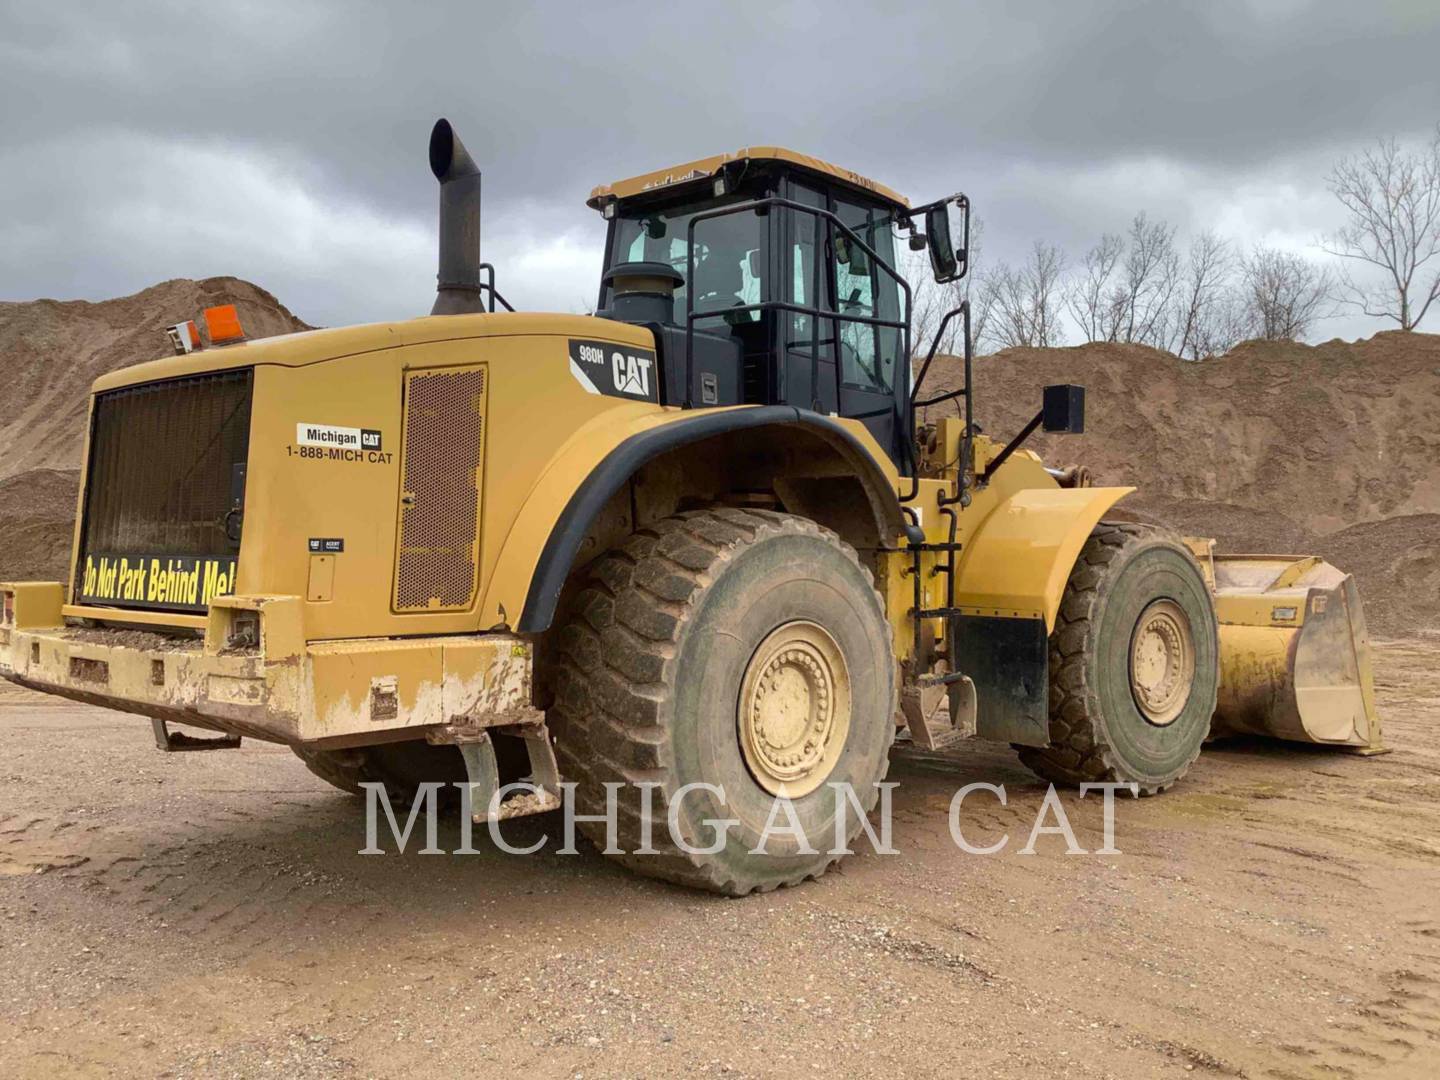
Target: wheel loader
(696, 549)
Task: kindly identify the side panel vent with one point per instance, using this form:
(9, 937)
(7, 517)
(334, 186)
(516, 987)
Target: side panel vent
(438, 546)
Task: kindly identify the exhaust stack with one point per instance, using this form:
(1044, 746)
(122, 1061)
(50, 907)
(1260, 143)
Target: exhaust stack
(458, 291)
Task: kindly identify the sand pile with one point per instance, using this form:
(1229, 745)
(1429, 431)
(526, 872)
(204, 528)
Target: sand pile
(1330, 449)
(37, 518)
(1397, 564)
(51, 350)
(1327, 435)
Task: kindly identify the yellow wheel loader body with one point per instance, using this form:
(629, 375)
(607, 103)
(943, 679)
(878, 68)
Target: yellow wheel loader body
(409, 532)
(361, 624)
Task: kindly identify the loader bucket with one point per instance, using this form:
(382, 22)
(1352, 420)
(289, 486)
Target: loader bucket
(1294, 653)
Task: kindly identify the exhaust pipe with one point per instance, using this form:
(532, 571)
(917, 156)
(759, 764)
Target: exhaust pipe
(458, 291)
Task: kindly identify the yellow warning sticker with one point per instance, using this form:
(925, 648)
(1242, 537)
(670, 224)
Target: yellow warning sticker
(185, 582)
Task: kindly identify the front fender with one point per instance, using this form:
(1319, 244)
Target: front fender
(1016, 563)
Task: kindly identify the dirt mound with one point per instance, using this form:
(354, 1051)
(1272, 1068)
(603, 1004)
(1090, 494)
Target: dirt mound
(1328, 449)
(1236, 528)
(37, 518)
(1327, 436)
(1397, 566)
(51, 350)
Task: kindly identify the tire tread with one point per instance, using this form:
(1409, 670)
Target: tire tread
(1078, 752)
(610, 727)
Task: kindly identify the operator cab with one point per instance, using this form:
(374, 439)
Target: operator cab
(757, 295)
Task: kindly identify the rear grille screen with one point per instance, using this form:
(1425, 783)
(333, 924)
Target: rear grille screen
(435, 565)
(167, 468)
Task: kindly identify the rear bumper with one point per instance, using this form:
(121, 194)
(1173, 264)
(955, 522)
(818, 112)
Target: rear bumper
(253, 674)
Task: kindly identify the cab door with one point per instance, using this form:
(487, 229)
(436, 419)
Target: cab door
(869, 356)
(807, 343)
(831, 362)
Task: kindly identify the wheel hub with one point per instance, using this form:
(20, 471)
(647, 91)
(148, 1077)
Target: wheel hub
(1162, 662)
(794, 709)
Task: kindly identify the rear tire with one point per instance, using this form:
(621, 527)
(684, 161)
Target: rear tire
(1134, 663)
(742, 648)
(401, 766)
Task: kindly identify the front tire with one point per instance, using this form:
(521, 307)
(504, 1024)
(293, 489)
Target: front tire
(1134, 664)
(741, 648)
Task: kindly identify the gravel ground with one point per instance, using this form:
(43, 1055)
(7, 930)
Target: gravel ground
(1276, 915)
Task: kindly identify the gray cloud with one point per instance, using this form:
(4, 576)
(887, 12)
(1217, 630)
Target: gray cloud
(285, 141)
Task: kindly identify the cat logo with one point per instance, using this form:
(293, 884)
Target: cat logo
(622, 371)
(632, 373)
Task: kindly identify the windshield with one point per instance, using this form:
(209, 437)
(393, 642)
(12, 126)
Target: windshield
(729, 263)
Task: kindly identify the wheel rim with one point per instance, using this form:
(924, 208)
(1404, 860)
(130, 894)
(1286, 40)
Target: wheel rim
(794, 709)
(1162, 662)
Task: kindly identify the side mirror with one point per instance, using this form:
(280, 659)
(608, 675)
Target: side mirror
(948, 262)
(1063, 409)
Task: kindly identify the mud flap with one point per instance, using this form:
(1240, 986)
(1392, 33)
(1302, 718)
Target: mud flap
(1008, 660)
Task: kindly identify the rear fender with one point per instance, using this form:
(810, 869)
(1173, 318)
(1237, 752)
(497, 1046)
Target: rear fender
(545, 542)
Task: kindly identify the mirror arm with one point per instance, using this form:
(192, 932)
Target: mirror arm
(1010, 448)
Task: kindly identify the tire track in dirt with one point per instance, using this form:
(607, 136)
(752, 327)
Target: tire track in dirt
(1257, 922)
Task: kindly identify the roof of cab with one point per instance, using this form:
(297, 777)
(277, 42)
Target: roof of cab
(709, 166)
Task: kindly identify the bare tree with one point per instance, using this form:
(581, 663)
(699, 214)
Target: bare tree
(982, 304)
(1126, 286)
(1393, 197)
(1090, 296)
(1147, 283)
(927, 302)
(1282, 294)
(1007, 324)
(1204, 318)
(1043, 273)
(1026, 300)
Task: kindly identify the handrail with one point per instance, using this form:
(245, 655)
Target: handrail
(964, 309)
(490, 287)
(967, 439)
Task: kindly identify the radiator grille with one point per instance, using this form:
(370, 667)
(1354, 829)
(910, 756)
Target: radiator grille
(438, 549)
(166, 463)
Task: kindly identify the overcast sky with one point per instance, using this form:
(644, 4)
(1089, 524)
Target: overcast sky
(284, 142)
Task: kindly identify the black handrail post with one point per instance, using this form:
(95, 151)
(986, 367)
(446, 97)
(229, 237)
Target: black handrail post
(488, 285)
(820, 255)
(968, 448)
(690, 314)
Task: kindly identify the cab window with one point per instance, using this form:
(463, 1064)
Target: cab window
(729, 266)
(806, 282)
(869, 354)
